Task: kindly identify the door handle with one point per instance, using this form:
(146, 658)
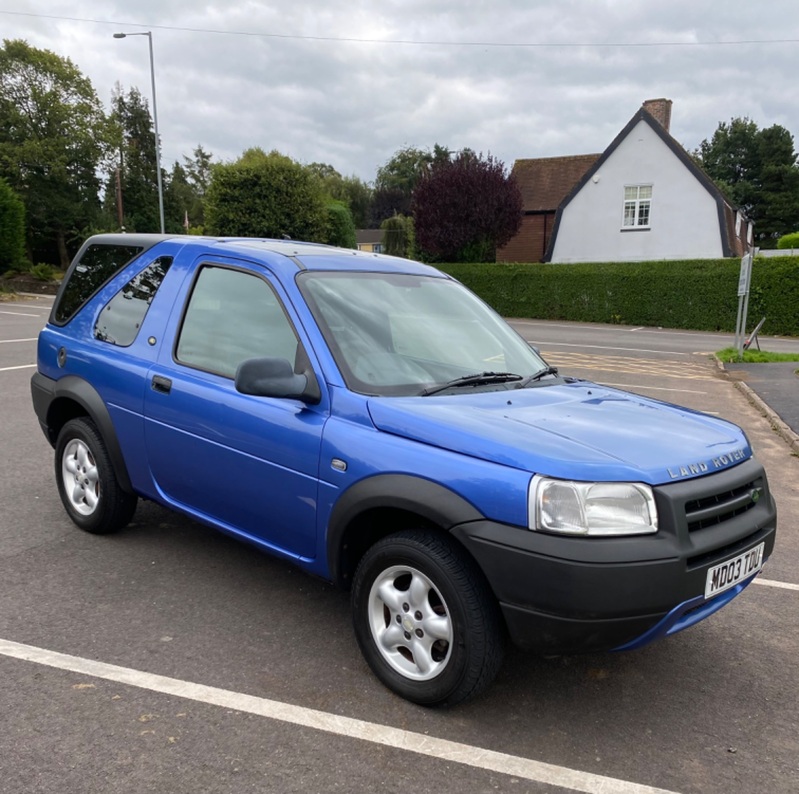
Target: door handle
(161, 384)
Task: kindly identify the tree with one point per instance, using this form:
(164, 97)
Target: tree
(397, 178)
(137, 163)
(198, 175)
(386, 203)
(350, 190)
(398, 236)
(54, 138)
(758, 171)
(12, 227)
(465, 208)
(266, 195)
(179, 196)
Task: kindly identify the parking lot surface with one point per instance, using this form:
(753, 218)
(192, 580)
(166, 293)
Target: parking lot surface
(171, 658)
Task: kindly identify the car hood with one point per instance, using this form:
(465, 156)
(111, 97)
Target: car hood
(576, 431)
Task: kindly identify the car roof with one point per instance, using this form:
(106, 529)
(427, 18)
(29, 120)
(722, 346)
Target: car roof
(280, 253)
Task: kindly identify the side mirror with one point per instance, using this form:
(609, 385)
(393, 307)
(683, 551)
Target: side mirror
(275, 377)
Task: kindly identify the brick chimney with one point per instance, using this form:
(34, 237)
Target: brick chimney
(660, 109)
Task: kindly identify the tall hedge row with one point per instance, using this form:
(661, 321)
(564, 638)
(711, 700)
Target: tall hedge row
(699, 295)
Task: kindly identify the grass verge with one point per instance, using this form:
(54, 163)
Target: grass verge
(730, 356)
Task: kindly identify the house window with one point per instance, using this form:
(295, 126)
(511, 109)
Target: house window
(377, 248)
(637, 205)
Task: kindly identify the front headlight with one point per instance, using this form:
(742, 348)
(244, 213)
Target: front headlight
(591, 508)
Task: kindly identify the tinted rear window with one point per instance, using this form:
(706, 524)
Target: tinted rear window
(123, 315)
(98, 264)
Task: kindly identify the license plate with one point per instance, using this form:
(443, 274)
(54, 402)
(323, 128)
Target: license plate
(727, 574)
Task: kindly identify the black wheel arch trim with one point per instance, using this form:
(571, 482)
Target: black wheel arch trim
(47, 391)
(406, 492)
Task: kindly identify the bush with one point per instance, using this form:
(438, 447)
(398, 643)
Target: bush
(398, 236)
(43, 272)
(340, 225)
(789, 241)
(700, 295)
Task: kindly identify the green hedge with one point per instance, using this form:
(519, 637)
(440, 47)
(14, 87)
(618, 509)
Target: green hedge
(700, 295)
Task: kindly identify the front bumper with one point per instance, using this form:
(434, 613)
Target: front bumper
(570, 595)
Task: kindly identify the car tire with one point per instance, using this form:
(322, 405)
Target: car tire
(426, 620)
(86, 480)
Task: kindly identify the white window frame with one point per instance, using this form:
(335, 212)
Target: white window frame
(637, 207)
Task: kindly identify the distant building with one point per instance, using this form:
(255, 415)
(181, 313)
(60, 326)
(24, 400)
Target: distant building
(369, 240)
(643, 198)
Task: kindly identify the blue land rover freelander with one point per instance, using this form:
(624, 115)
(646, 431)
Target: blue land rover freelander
(372, 421)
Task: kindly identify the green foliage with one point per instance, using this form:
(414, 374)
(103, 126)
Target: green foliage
(341, 228)
(406, 165)
(730, 355)
(700, 295)
(178, 197)
(350, 190)
(184, 192)
(54, 137)
(789, 240)
(12, 228)
(399, 238)
(465, 208)
(43, 272)
(136, 163)
(266, 195)
(397, 178)
(758, 171)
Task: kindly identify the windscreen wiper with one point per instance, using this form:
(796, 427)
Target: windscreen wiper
(548, 370)
(477, 379)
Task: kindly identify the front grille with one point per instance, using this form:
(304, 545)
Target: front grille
(717, 508)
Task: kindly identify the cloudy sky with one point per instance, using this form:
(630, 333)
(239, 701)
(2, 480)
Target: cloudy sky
(348, 82)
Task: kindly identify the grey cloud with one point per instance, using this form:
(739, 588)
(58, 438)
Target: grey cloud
(352, 104)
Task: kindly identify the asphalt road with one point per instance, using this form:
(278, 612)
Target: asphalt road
(169, 658)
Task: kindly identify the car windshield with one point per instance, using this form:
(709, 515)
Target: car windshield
(397, 334)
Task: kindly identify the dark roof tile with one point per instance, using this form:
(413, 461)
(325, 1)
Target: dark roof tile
(546, 181)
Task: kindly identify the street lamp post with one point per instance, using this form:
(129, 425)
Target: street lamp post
(155, 124)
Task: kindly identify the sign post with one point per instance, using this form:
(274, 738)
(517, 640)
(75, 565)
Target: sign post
(744, 279)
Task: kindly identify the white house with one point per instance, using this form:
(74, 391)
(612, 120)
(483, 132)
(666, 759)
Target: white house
(644, 198)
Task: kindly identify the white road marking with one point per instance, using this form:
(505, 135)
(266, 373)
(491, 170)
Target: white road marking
(608, 347)
(21, 366)
(644, 329)
(408, 741)
(20, 314)
(655, 388)
(11, 341)
(772, 583)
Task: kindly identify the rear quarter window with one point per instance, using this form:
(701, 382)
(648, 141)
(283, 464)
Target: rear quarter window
(121, 318)
(96, 266)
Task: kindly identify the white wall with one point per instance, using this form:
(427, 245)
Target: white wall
(684, 221)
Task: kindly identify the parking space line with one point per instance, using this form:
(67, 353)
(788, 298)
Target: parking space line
(20, 314)
(408, 741)
(772, 583)
(21, 366)
(655, 388)
(11, 341)
(609, 347)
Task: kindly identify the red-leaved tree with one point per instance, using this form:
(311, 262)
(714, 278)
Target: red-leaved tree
(465, 208)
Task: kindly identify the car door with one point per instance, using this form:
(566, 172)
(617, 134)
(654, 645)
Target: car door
(248, 464)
